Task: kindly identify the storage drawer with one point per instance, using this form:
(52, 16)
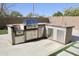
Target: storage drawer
(19, 39)
(31, 34)
(41, 32)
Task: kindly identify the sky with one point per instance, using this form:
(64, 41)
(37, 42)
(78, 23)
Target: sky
(43, 9)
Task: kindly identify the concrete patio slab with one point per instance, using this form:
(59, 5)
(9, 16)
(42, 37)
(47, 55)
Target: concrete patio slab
(73, 50)
(37, 48)
(76, 45)
(64, 53)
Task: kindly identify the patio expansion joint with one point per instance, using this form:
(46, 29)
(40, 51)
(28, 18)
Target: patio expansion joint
(71, 53)
(63, 49)
(75, 47)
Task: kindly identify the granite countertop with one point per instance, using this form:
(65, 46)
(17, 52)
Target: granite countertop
(62, 26)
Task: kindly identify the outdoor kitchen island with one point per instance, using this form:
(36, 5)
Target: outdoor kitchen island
(59, 33)
(20, 33)
(62, 34)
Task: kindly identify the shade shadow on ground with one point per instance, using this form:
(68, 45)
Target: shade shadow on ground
(75, 38)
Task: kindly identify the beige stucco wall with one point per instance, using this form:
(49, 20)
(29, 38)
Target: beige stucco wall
(65, 20)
